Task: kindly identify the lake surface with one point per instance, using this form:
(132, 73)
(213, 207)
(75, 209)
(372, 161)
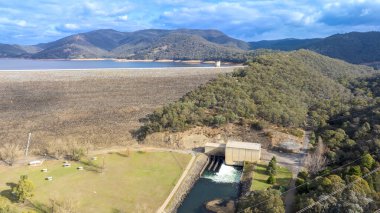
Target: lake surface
(223, 184)
(26, 64)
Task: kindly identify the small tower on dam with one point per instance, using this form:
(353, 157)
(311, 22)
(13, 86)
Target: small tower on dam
(218, 63)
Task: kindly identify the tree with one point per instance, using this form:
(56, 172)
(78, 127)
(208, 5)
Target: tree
(367, 161)
(9, 153)
(273, 204)
(271, 179)
(272, 167)
(316, 161)
(24, 189)
(355, 170)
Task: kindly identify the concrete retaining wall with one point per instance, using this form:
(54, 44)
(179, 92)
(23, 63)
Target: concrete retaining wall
(246, 178)
(187, 183)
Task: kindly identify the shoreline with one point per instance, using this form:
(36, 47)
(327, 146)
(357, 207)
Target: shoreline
(117, 69)
(190, 61)
(65, 75)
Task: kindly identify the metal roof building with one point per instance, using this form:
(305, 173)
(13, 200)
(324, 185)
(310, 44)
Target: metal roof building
(238, 152)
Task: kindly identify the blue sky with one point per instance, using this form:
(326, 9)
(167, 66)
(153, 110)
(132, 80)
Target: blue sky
(35, 21)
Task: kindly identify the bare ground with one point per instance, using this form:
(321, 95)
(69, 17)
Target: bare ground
(92, 106)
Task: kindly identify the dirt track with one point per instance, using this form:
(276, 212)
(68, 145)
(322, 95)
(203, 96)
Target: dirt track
(98, 107)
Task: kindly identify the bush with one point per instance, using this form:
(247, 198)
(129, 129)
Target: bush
(258, 125)
(4, 206)
(296, 132)
(77, 154)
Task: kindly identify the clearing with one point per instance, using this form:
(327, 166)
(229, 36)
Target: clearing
(139, 182)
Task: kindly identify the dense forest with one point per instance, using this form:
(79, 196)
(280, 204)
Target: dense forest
(276, 87)
(353, 154)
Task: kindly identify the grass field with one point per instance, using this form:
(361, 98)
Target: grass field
(260, 177)
(138, 183)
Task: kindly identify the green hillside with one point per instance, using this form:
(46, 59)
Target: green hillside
(280, 88)
(352, 149)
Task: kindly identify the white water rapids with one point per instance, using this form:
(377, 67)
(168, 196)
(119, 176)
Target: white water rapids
(226, 174)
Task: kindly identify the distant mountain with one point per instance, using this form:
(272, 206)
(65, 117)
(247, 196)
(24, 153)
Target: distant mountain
(186, 44)
(144, 44)
(217, 37)
(7, 50)
(283, 44)
(174, 45)
(354, 47)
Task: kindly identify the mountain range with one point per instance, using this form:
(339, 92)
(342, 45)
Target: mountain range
(188, 44)
(354, 47)
(143, 44)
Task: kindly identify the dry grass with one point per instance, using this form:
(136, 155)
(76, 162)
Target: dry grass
(93, 107)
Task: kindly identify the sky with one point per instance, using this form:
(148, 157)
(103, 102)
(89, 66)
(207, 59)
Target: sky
(38, 21)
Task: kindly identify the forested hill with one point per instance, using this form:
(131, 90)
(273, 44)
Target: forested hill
(354, 47)
(181, 44)
(280, 88)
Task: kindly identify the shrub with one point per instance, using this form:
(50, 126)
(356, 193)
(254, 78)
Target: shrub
(258, 125)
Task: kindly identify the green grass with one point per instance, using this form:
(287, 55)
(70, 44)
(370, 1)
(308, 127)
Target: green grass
(140, 182)
(260, 177)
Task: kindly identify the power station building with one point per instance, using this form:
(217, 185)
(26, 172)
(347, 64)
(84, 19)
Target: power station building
(235, 152)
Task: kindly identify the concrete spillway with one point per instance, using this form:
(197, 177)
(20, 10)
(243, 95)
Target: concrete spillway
(215, 163)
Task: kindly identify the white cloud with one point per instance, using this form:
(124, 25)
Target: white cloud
(365, 12)
(71, 26)
(244, 19)
(21, 23)
(17, 22)
(123, 18)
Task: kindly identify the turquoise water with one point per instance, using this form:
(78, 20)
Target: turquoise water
(223, 184)
(26, 64)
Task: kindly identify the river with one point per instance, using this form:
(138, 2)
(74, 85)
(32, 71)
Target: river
(223, 184)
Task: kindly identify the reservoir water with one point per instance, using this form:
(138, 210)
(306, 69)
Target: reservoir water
(223, 184)
(27, 64)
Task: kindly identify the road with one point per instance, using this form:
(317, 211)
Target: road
(294, 162)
